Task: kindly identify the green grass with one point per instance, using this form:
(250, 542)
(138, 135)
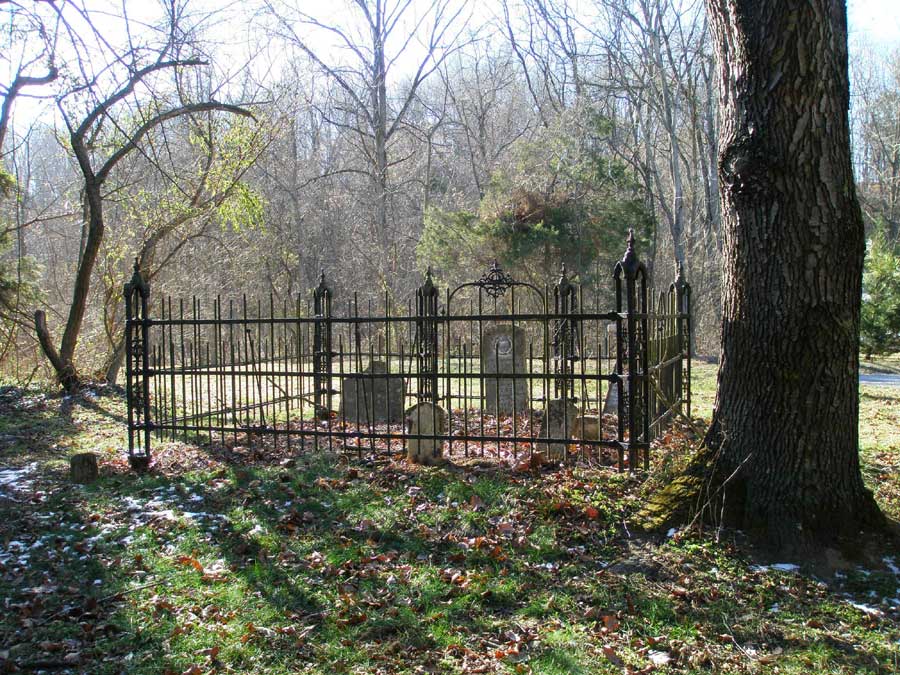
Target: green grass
(308, 564)
(883, 363)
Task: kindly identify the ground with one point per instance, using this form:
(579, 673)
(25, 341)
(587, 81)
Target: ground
(236, 561)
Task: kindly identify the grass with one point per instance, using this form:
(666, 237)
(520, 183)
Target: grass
(275, 563)
(882, 363)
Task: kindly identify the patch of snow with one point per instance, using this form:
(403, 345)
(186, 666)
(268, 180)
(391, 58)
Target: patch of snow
(774, 609)
(15, 479)
(672, 532)
(892, 565)
(658, 658)
(868, 609)
(781, 567)
(164, 514)
(200, 514)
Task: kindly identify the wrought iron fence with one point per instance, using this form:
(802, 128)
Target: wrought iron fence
(494, 366)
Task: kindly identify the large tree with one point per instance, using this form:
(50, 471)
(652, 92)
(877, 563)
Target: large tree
(783, 458)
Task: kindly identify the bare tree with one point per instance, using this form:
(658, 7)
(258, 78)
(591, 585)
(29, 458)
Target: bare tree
(876, 117)
(100, 140)
(29, 45)
(370, 110)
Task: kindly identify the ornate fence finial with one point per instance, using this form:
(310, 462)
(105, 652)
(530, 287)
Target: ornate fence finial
(564, 286)
(630, 262)
(427, 340)
(137, 282)
(428, 288)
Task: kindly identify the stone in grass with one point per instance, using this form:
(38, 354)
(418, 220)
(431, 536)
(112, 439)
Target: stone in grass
(139, 463)
(503, 352)
(427, 419)
(83, 467)
(371, 397)
(559, 422)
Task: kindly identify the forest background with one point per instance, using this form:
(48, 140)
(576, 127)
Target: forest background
(245, 148)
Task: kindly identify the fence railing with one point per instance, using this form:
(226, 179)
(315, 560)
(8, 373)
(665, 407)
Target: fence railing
(492, 367)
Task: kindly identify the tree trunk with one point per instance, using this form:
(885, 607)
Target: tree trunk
(380, 133)
(85, 270)
(676, 222)
(65, 373)
(784, 438)
(115, 363)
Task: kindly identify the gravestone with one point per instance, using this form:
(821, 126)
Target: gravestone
(83, 467)
(611, 403)
(559, 422)
(371, 397)
(503, 350)
(427, 419)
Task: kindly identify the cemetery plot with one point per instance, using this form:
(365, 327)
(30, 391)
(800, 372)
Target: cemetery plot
(494, 365)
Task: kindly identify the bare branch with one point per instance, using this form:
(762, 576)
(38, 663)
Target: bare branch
(141, 131)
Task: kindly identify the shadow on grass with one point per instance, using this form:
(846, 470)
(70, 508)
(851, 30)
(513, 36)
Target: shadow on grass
(357, 567)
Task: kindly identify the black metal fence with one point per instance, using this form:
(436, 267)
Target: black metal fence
(493, 367)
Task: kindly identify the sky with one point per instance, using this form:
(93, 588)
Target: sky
(871, 22)
(878, 20)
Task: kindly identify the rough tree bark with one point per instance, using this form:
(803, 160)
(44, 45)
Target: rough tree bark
(783, 460)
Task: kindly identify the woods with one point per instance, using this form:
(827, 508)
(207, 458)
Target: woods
(366, 127)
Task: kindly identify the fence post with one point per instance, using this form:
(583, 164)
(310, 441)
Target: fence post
(664, 323)
(565, 302)
(632, 352)
(322, 352)
(682, 290)
(137, 369)
(427, 341)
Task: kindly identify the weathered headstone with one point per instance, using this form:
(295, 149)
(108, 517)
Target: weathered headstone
(427, 419)
(588, 427)
(371, 397)
(83, 467)
(559, 422)
(503, 351)
(611, 403)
